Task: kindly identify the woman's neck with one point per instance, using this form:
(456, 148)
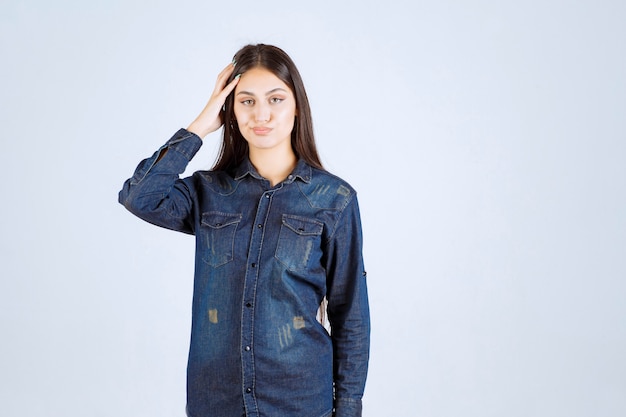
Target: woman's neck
(272, 164)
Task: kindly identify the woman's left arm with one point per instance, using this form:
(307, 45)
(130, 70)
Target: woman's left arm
(348, 311)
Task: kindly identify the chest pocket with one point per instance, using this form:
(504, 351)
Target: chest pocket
(299, 242)
(217, 237)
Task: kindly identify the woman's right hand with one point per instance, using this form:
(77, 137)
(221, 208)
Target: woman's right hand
(209, 120)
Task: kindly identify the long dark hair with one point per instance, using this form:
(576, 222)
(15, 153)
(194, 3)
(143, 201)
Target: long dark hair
(234, 147)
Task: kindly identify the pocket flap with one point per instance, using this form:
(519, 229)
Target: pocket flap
(303, 226)
(217, 220)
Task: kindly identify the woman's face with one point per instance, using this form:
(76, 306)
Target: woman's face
(265, 109)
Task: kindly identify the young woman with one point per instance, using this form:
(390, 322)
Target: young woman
(276, 235)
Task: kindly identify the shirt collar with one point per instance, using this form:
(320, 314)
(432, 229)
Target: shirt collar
(302, 171)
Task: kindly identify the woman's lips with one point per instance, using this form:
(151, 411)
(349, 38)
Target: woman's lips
(261, 130)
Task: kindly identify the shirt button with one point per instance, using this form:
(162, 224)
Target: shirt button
(248, 305)
(268, 195)
(253, 265)
(259, 226)
(248, 390)
(247, 348)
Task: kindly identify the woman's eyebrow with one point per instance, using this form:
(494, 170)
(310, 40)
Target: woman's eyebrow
(248, 93)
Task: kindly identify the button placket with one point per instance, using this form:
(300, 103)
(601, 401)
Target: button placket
(250, 283)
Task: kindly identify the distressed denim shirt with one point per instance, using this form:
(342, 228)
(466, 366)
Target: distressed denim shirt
(265, 258)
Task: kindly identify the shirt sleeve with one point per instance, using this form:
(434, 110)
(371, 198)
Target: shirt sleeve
(155, 193)
(348, 311)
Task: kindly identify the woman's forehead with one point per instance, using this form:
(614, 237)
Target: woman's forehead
(260, 81)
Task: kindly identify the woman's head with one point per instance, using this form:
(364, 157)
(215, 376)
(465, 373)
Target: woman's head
(266, 57)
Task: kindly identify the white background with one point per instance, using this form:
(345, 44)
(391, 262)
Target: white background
(487, 141)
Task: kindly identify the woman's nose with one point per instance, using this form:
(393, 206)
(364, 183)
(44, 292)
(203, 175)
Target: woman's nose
(262, 113)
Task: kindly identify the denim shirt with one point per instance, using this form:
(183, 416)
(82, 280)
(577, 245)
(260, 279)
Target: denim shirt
(265, 258)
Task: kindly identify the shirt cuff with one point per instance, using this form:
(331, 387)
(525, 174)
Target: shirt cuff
(185, 142)
(347, 407)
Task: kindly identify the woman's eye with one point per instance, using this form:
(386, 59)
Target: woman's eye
(247, 102)
(275, 100)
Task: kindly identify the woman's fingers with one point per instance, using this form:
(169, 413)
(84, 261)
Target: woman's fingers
(229, 88)
(210, 119)
(222, 77)
(222, 90)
